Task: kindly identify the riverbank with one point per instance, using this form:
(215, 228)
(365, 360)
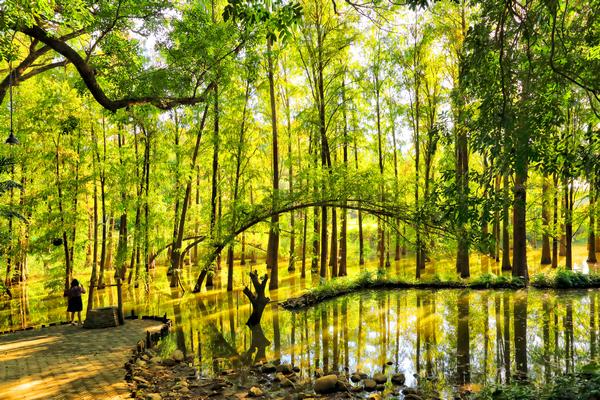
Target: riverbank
(559, 279)
(171, 377)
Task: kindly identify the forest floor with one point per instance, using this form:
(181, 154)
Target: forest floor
(69, 362)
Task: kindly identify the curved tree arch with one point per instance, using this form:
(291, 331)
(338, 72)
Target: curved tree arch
(394, 212)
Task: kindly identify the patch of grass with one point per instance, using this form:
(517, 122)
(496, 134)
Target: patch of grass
(380, 280)
(565, 279)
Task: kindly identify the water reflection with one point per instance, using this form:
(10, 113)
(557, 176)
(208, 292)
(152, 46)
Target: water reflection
(453, 339)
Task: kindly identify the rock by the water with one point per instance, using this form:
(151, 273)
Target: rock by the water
(285, 382)
(355, 378)
(370, 385)
(140, 363)
(380, 378)
(177, 355)
(255, 392)
(153, 396)
(342, 386)
(326, 384)
(380, 387)
(285, 369)
(296, 369)
(398, 379)
(268, 368)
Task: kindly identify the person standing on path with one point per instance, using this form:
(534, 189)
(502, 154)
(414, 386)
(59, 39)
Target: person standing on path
(75, 304)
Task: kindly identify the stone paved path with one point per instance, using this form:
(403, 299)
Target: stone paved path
(68, 362)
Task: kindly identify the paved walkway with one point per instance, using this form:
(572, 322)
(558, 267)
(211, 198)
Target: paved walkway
(68, 362)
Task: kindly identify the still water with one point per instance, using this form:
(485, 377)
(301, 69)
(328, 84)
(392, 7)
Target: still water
(454, 338)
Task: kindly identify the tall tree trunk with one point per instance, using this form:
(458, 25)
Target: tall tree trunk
(506, 265)
(397, 250)
(344, 214)
(236, 184)
(286, 102)
(568, 184)
(176, 255)
(496, 224)
(592, 218)
(120, 262)
(325, 161)
(273, 244)
(102, 170)
(555, 222)
(380, 230)
(93, 277)
(304, 229)
(65, 241)
(546, 257)
(361, 241)
(333, 261)
(147, 148)
(171, 271)
(214, 180)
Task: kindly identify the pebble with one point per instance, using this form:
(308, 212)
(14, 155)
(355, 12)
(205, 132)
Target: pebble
(326, 384)
(398, 379)
(177, 355)
(255, 392)
(370, 385)
(380, 378)
(268, 368)
(285, 369)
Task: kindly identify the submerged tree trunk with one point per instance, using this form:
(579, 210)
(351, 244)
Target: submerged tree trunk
(258, 299)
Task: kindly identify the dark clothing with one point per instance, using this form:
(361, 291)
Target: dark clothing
(74, 295)
(75, 304)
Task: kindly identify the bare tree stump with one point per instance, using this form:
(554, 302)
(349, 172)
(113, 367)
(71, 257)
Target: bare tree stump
(259, 301)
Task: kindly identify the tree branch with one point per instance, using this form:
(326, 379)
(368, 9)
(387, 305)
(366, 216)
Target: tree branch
(88, 74)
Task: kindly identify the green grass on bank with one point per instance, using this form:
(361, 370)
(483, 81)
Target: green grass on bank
(558, 279)
(565, 279)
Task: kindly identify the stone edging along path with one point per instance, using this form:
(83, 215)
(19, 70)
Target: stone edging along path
(68, 362)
